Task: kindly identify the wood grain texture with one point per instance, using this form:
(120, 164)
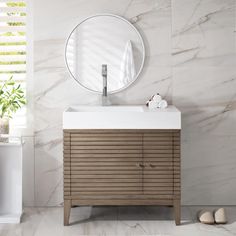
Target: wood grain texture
(176, 160)
(67, 208)
(66, 147)
(177, 211)
(122, 202)
(122, 167)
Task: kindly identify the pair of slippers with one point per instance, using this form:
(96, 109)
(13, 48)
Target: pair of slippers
(216, 217)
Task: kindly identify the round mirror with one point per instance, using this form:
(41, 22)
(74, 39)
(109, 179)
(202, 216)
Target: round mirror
(105, 49)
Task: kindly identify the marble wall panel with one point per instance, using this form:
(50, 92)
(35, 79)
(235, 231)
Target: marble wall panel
(190, 60)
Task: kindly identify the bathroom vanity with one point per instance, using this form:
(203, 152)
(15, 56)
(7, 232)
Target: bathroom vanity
(116, 155)
(121, 155)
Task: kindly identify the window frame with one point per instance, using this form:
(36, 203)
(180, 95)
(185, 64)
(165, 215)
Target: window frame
(28, 130)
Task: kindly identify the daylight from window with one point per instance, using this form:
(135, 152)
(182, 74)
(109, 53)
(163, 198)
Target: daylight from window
(13, 48)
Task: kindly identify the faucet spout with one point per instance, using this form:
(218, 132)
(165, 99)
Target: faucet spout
(104, 90)
(104, 76)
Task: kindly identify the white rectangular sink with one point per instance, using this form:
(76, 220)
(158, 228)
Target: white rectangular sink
(105, 109)
(121, 117)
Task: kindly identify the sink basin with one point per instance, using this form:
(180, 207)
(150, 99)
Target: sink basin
(106, 109)
(121, 117)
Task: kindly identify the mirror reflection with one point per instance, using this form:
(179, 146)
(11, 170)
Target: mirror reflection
(105, 41)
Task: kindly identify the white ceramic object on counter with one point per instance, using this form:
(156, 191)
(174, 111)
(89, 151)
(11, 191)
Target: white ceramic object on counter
(121, 117)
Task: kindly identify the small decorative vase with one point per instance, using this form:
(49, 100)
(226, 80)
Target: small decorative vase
(4, 128)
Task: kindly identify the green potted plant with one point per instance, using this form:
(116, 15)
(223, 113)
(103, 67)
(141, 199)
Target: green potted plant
(12, 98)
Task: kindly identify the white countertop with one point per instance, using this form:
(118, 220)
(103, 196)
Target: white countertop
(8, 140)
(121, 117)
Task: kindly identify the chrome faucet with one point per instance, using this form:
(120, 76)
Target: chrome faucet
(104, 90)
(104, 76)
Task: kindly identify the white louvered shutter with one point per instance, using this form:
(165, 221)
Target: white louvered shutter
(13, 47)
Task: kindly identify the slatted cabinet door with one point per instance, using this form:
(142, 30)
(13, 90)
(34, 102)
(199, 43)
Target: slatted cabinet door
(105, 164)
(177, 165)
(66, 160)
(159, 166)
(121, 167)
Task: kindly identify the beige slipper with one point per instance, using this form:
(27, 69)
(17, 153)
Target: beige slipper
(220, 216)
(206, 217)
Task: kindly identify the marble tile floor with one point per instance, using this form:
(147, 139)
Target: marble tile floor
(113, 221)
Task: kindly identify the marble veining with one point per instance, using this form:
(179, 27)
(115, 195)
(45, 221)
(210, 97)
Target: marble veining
(117, 221)
(190, 60)
(205, 34)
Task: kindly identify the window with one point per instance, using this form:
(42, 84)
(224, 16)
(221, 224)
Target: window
(13, 48)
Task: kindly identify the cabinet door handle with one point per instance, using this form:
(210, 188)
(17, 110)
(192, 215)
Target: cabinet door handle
(140, 165)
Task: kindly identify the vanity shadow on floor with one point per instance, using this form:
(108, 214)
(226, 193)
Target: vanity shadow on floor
(122, 213)
(117, 221)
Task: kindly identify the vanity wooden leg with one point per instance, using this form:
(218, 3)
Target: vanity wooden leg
(67, 207)
(177, 211)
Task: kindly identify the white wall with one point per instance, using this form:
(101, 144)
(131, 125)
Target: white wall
(190, 60)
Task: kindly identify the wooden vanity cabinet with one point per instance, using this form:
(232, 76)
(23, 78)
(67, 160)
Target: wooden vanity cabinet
(121, 167)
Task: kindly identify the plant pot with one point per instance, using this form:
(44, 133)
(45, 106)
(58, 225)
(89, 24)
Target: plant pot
(4, 128)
